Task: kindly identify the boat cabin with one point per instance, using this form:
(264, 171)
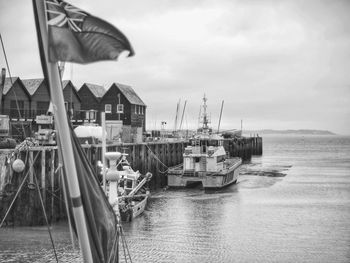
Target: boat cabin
(204, 154)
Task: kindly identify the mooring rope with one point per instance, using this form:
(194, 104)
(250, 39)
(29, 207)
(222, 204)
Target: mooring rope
(158, 160)
(45, 216)
(125, 245)
(18, 191)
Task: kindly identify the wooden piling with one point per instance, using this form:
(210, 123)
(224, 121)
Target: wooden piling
(141, 156)
(43, 184)
(52, 177)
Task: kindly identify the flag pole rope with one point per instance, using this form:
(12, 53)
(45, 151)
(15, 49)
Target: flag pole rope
(14, 92)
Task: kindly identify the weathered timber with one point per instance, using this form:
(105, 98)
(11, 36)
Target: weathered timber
(42, 163)
(27, 209)
(244, 147)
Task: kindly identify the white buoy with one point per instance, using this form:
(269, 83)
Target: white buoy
(18, 166)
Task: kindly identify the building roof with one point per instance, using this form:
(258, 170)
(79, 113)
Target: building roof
(64, 85)
(32, 85)
(96, 90)
(8, 84)
(130, 94)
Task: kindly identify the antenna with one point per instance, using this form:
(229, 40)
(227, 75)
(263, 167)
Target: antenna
(199, 116)
(205, 117)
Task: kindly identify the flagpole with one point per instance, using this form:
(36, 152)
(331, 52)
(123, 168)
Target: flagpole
(104, 165)
(61, 122)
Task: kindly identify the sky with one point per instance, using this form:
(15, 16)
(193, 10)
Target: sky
(275, 64)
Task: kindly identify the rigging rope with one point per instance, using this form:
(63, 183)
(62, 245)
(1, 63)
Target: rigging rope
(8, 69)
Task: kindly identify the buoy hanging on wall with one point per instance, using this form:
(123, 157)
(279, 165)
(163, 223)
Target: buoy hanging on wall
(18, 166)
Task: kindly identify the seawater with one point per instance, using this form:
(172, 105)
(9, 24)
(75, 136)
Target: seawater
(292, 204)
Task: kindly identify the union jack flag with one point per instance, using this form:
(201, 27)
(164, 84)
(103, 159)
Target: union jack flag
(62, 14)
(77, 36)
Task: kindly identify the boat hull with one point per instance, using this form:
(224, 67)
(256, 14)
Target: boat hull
(135, 209)
(209, 180)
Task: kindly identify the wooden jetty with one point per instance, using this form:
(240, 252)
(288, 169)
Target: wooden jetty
(42, 174)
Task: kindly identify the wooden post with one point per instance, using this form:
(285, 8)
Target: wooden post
(133, 156)
(52, 176)
(148, 160)
(43, 185)
(143, 158)
(31, 168)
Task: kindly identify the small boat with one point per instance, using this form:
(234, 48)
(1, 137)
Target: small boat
(130, 187)
(205, 161)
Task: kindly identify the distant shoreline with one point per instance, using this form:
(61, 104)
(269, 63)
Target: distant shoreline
(289, 132)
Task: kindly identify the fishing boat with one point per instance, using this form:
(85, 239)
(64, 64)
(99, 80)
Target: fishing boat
(205, 161)
(127, 188)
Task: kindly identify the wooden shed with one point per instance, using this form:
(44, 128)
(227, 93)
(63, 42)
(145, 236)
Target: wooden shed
(120, 102)
(15, 100)
(91, 96)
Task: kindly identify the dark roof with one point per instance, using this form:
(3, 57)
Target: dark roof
(96, 90)
(32, 85)
(64, 85)
(8, 84)
(130, 94)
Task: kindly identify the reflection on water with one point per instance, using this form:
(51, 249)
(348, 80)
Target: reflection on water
(301, 217)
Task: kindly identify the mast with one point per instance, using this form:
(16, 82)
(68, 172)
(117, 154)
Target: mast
(205, 115)
(222, 106)
(177, 112)
(199, 116)
(51, 72)
(183, 112)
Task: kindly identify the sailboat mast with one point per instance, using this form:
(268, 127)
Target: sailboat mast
(183, 112)
(222, 106)
(51, 72)
(177, 112)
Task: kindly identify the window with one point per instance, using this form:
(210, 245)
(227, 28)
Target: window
(135, 109)
(139, 109)
(120, 108)
(108, 108)
(90, 115)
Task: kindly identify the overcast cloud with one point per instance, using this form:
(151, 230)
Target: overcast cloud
(277, 64)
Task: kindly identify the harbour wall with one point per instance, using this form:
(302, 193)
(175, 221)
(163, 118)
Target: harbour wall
(40, 183)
